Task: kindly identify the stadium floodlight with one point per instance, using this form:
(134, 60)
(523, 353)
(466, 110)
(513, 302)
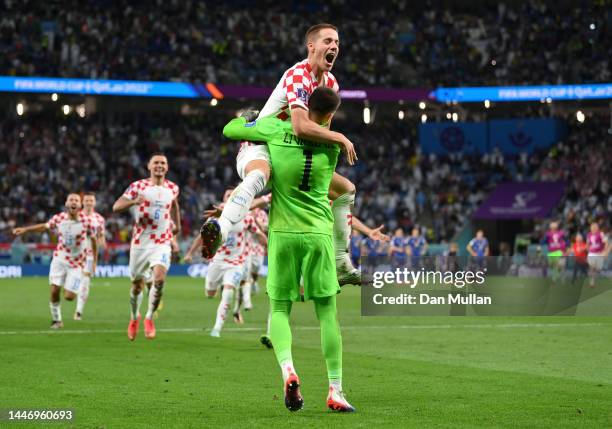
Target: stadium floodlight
(423, 118)
(580, 117)
(449, 115)
(548, 100)
(487, 104)
(422, 105)
(400, 115)
(214, 102)
(20, 109)
(54, 97)
(366, 115)
(493, 63)
(66, 109)
(80, 109)
(455, 117)
(592, 26)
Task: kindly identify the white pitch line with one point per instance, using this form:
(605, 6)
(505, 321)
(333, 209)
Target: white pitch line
(313, 328)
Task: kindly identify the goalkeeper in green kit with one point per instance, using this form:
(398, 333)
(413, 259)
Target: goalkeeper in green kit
(300, 243)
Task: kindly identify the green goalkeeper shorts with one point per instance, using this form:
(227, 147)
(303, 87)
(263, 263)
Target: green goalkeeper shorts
(306, 255)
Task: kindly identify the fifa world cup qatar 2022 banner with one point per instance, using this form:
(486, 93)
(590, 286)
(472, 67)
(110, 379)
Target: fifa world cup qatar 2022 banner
(511, 136)
(521, 200)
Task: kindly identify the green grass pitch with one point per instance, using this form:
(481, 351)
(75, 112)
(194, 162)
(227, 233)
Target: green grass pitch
(421, 372)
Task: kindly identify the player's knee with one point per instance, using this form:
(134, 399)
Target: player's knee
(211, 293)
(261, 165)
(69, 296)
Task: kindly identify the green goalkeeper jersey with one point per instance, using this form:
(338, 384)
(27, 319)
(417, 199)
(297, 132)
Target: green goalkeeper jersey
(301, 173)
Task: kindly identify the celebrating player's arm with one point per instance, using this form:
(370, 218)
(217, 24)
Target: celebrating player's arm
(197, 243)
(39, 227)
(123, 203)
(373, 233)
(306, 129)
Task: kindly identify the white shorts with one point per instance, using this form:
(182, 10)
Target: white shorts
(88, 269)
(143, 260)
(256, 261)
(596, 261)
(249, 153)
(221, 274)
(63, 275)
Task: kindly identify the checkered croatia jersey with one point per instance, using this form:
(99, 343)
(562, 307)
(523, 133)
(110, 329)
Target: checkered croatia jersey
(72, 234)
(234, 250)
(152, 223)
(98, 223)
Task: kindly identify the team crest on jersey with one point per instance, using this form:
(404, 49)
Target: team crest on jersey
(302, 94)
(250, 124)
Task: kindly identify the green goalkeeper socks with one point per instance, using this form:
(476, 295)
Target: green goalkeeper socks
(331, 340)
(280, 331)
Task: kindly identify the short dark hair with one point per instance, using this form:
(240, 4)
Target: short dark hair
(316, 28)
(89, 194)
(323, 100)
(157, 154)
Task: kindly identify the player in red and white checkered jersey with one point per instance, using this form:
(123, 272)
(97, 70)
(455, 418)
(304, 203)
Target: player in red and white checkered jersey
(289, 101)
(74, 230)
(99, 225)
(257, 252)
(227, 268)
(156, 206)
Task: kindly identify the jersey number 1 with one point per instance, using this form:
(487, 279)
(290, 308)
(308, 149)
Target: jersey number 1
(304, 186)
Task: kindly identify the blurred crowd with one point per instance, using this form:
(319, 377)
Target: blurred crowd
(48, 157)
(403, 44)
(584, 162)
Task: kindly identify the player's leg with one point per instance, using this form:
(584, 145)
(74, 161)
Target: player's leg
(342, 192)
(253, 163)
(232, 276)
(155, 295)
(84, 289)
(55, 307)
(321, 286)
(158, 258)
(285, 255)
(280, 333)
(331, 345)
(247, 285)
(58, 272)
(595, 263)
(139, 268)
(72, 286)
(227, 295)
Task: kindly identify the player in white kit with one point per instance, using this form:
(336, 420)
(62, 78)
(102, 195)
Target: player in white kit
(289, 101)
(598, 246)
(99, 225)
(257, 253)
(227, 268)
(73, 229)
(156, 199)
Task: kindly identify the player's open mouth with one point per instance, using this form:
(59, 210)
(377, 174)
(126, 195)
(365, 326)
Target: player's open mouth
(329, 58)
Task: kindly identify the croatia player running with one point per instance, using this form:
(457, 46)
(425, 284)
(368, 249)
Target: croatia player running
(156, 200)
(99, 225)
(289, 102)
(228, 266)
(598, 247)
(301, 239)
(73, 229)
(257, 252)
